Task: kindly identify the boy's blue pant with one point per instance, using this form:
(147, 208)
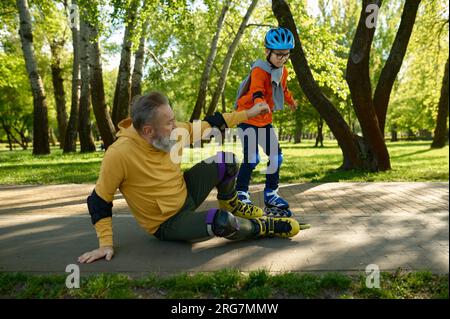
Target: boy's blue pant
(267, 139)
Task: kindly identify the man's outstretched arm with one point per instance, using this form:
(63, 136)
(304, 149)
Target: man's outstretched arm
(222, 121)
(101, 216)
(100, 205)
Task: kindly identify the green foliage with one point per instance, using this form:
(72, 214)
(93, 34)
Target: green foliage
(179, 36)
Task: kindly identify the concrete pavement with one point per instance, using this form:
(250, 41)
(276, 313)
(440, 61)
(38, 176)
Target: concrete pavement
(45, 228)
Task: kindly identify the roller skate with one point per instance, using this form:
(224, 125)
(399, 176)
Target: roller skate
(283, 227)
(277, 206)
(244, 197)
(240, 209)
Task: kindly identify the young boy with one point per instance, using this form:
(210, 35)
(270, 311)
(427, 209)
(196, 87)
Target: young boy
(268, 84)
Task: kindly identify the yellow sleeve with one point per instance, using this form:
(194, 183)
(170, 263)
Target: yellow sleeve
(232, 119)
(112, 173)
(104, 232)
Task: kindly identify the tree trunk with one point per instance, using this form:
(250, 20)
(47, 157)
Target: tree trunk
(394, 135)
(40, 112)
(358, 79)
(201, 96)
(298, 133)
(121, 104)
(8, 134)
(71, 131)
(104, 122)
(439, 138)
(319, 138)
(84, 122)
(58, 88)
(394, 61)
(136, 78)
(229, 58)
(346, 139)
(224, 103)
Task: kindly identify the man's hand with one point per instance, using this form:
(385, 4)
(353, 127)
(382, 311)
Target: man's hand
(257, 109)
(90, 256)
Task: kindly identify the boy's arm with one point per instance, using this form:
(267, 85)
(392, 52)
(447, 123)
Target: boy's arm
(100, 205)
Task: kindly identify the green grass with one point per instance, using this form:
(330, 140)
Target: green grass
(228, 283)
(410, 161)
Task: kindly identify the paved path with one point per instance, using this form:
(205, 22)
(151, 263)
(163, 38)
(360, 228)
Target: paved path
(45, 228)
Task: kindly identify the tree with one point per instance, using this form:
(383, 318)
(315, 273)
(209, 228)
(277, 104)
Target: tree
(84, 122)
(228, 59)
(71, 131)
(368, 152)
(440, 131)
(40, 114)
(58, 88)
(104, 122)
(136, 78)
(121, 102)
(201, 97)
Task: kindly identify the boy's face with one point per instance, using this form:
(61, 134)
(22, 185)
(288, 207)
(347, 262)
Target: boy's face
(278, 57)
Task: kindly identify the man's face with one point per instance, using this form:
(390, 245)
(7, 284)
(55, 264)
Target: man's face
(158, 132)
(278, 57)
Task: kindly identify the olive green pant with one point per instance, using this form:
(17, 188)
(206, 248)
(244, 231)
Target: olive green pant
(189, 225)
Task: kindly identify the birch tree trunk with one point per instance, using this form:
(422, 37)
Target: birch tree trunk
(40, 112)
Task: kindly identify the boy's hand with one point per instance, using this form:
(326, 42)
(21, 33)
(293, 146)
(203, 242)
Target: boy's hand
(257, 109)
(293, 106)
(90, 256)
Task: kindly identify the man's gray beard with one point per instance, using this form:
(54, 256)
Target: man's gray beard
(163, 143)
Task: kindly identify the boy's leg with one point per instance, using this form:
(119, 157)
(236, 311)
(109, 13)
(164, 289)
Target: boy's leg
(272, 149)
(248, 136)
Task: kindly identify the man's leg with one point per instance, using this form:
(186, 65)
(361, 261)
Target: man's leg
(218, 171)
(189, 225)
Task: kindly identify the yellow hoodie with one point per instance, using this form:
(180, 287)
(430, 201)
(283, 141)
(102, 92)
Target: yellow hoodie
(152, 185)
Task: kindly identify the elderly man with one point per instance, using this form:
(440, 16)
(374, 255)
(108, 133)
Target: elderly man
(163, 199)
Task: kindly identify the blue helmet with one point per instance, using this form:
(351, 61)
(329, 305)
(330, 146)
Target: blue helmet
(279, 39)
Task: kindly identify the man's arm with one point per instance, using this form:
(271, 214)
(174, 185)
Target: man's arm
(222, 120)
(100, 205)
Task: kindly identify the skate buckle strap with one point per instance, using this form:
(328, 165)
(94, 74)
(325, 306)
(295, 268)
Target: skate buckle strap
(210, 220)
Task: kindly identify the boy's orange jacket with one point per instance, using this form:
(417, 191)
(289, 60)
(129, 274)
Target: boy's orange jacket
(261, 82)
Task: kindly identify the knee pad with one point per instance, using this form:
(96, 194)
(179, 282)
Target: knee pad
(228, 166)
(221, 223)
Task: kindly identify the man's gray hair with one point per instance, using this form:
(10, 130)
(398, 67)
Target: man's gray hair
(144, 108)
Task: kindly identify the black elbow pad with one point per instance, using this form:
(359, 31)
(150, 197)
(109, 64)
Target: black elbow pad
(98, 208)
(217, 120)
